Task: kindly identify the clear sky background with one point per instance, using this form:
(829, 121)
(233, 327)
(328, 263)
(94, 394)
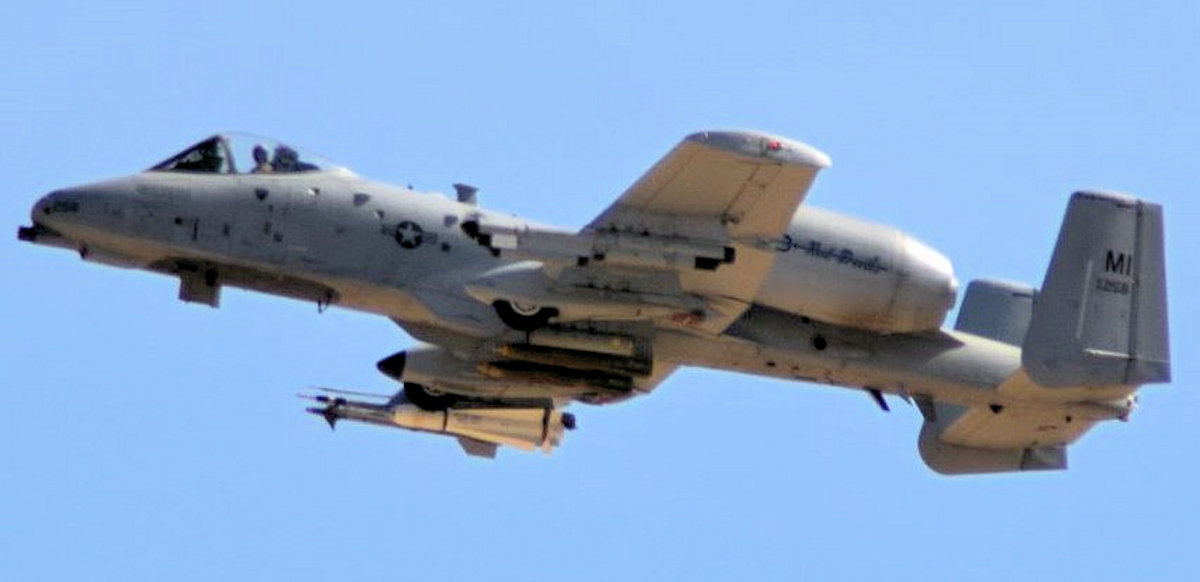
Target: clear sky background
(147, 439)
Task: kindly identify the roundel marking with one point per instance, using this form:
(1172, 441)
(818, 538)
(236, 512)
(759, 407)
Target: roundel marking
(409, 234)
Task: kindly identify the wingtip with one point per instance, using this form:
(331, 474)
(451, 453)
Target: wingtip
(756, 143)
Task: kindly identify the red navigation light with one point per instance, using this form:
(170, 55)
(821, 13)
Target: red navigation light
(774, 145)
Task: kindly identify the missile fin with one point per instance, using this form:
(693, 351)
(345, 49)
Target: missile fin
(327, 413)
(478, 448)
(877, 396)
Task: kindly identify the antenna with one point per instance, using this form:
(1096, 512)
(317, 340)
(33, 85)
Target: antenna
(466, 194)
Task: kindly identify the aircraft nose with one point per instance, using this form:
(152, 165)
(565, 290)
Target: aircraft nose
(42, 208)
(48, 215)
(91, 206)
(56, 204)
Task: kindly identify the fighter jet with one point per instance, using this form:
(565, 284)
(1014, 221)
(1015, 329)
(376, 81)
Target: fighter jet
(710, 259)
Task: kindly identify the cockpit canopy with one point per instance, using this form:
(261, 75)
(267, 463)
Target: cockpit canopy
(239, 153)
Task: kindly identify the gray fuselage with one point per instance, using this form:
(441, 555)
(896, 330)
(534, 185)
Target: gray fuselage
(333, 237)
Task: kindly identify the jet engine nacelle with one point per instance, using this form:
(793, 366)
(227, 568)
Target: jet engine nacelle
(846, 271)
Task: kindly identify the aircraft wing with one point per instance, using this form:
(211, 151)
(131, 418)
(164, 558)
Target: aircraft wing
(688, 245)
(719, 184)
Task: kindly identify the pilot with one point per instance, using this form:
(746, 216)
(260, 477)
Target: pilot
(285, 159)
(262, 164)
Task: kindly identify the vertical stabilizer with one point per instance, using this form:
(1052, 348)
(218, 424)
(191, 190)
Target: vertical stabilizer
(1100, 318)
(997, 310)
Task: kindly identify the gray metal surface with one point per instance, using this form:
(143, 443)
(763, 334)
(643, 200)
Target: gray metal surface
(704, 261)
(1101, 317)
(997, 310)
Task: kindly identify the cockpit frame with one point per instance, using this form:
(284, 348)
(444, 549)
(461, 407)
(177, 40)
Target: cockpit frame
(219, 155)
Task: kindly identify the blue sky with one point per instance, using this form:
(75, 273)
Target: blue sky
(150, 439)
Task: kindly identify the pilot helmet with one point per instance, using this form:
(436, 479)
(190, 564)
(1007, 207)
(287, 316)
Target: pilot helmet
(285, 155)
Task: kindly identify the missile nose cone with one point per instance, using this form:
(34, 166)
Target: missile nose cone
(393, 366)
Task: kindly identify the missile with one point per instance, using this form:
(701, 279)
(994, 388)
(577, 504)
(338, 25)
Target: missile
(584, 341)
(575, 359)
(535, 373)
(479, 429)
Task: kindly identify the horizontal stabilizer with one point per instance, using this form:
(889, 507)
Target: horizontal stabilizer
(957, 440)
(949, 459)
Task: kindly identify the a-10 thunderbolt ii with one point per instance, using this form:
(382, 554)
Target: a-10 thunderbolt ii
(708, 260)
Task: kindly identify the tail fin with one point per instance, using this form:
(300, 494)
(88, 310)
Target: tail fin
(997, 310)
(1101, 316)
